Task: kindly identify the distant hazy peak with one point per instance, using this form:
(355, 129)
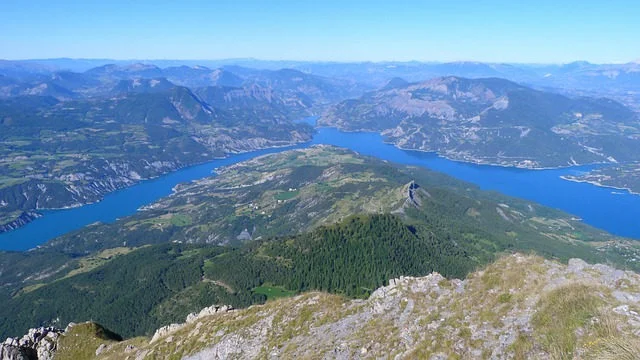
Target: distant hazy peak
(396, 82)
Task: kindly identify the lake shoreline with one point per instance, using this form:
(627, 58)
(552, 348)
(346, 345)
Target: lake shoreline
(542, 187)
(598, 184)
(467, 161)
(42, 211)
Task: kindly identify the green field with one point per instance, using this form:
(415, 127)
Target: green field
(181, 220)
(287, 195)
(273, 292)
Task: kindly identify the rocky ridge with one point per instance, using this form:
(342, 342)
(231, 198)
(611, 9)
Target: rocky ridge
(499, 312)
(518, 307)
(164, 331)
(38, 344)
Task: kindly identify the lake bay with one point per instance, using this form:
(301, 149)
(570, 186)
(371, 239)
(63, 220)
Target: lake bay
(608, 209)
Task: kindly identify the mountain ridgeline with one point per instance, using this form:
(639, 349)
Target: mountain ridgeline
(493, 121)
(356, 246)
(517, 307)
(120, 127)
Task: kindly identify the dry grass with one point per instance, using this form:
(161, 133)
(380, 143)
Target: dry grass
(521, 347)
(563, 311)
(82, 341)
(618, 349)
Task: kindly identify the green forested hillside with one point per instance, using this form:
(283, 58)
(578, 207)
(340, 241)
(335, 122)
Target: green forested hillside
(326, 219)
(135, 293)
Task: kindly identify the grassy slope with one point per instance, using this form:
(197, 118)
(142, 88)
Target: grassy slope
(518, 307)
(461, 226)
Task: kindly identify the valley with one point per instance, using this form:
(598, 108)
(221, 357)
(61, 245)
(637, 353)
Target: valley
(146, 196)
(145, 121)
(313, 205)
(601, 208)
(116, 128)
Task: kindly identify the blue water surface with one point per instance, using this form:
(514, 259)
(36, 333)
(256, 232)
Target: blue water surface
(114, 205)
(614, 211)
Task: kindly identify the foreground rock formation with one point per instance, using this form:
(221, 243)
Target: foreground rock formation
(39, 343)
(520, 307)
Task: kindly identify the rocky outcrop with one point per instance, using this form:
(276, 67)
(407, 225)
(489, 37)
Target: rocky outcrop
(519, 307)
(24, 218)
(38, 344)
(191, 318)
(415, 194)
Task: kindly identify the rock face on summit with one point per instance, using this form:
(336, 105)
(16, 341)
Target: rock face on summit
(191, 318)
(38, 344)
(520, 307)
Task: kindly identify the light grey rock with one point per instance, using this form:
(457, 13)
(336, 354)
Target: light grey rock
(101, 349)
(165, 330)
(191, 318)
(576, 265)
(10, 352)
(208, 311)
(37, 344)
(624, 296)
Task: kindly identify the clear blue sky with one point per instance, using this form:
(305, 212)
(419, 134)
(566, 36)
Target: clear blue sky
(443, 30)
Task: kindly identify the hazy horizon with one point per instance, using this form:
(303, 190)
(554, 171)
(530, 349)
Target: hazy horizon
(152, 61)
(495, 31)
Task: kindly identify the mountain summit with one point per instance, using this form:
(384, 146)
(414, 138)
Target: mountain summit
(518, 307)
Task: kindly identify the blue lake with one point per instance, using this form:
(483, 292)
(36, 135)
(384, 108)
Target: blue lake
(115, 205)
(601, 207)
(613, 210)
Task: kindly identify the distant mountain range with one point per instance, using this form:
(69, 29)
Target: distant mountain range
(551, 115)
(112, 126)
(618, 81)
(493, 121)
(24, 79)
